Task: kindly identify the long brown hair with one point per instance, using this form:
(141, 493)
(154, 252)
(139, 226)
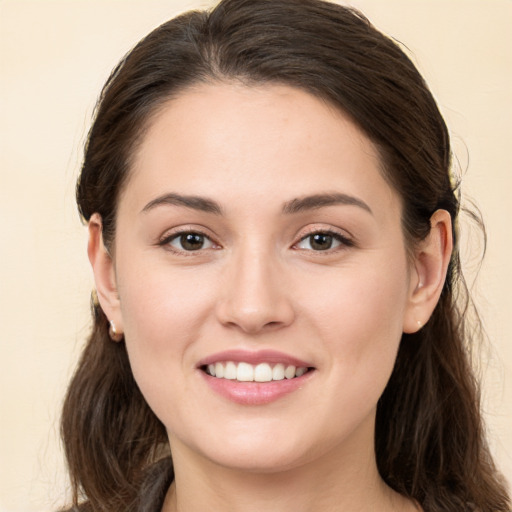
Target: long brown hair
(429, 436)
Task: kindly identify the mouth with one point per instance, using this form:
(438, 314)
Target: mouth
(262, 372)
(255, 377)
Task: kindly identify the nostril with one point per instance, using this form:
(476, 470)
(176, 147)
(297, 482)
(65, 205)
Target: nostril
(253, 301)
(272, 324)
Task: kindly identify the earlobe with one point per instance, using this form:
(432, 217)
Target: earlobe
(430, 266)
(104, 273)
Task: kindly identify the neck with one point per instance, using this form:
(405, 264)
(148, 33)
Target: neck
(341, 480)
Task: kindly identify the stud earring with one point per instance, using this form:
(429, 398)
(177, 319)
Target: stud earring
(112, 332)
(420, 325)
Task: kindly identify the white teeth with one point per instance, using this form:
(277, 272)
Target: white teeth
(230, 372)
(245, 372)
(289, 373)
(278, 372)
(299, 372)
(263, 372)
(219, 370)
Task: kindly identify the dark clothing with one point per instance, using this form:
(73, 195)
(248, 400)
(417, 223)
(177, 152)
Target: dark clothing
(152, 493)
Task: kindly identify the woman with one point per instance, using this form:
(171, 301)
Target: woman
(271, 219)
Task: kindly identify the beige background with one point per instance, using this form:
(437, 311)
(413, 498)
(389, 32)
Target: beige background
(54, 57)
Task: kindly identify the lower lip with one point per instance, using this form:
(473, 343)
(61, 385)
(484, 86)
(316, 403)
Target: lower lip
(256, 393)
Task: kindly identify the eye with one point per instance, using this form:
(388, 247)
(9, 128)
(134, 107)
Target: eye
(188, 241)
(323, 241)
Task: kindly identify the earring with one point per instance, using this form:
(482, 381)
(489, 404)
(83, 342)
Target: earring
(94, 298)
(420, 325)
(112, 332)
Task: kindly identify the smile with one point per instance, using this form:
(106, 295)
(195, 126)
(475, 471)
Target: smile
(246, 372)
(255, 377)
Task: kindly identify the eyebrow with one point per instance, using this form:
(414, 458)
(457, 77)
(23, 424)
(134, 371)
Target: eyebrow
(296, 205)
(194, 202)
(322, 200)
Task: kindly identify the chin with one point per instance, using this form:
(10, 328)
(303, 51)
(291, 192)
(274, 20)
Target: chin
(263, 451)
(259, 461)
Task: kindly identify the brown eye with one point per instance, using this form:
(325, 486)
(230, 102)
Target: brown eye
(189, 241)
(320, 241)
(323, 241)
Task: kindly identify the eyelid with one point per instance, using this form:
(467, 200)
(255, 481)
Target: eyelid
(345, 239)
(172, 234)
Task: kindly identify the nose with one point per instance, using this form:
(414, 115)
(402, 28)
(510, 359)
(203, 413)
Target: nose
(254, 295)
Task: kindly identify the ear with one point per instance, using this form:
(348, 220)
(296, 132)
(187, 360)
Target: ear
(431, 260)
(104, 275)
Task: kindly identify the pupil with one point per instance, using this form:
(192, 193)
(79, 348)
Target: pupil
(192, 241)
(321, 242)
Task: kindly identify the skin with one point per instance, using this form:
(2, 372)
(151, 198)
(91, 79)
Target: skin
(258, 283)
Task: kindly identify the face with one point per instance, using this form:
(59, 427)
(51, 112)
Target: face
(257, 239)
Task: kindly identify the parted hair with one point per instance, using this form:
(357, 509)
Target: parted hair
(429, 436)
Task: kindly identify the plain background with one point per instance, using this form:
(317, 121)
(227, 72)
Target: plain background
(54, 58)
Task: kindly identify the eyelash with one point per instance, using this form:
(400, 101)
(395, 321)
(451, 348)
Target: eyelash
(343, 240)
(166, 241)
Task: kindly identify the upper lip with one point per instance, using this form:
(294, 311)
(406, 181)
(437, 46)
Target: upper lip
(253, 357)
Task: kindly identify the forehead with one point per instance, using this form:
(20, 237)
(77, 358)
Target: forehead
(230, 139)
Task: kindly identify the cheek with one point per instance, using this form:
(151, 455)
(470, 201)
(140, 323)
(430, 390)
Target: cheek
(360, 317)
(159, 304)
(368, 298)
(164, 313)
